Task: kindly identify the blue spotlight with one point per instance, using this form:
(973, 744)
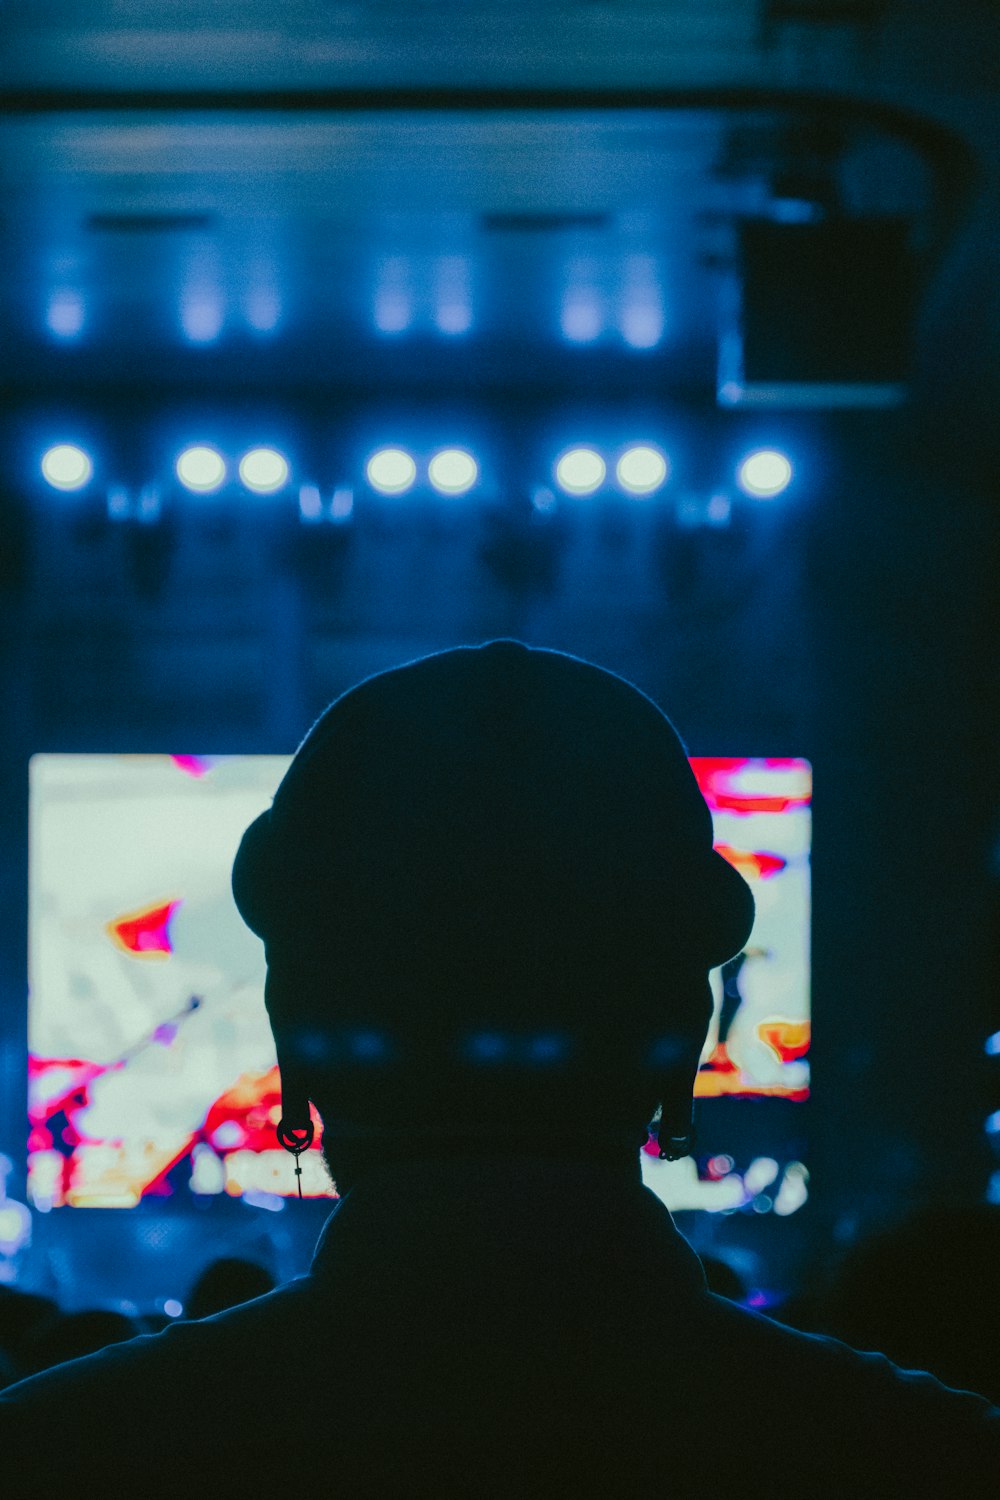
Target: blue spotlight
(546, 1048)
(201, 315)
(581, 317)
(368, 1046)
(642, 318)
(263, 470)
(453, 471)
(642, 325)
(487, 1047)
(262, 309)
(65, 314)
(580, 471)
(66, 467)
(453, 317)
(310, 502)
(393, 310)
(641, 470)
(391, 471)
(764, 473)
(342, 504)
(201, 469)
(453, 302)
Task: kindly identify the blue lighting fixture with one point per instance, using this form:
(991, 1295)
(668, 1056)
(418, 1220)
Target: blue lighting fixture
(342, 504)
(393, 311)
(581, 318)
(641, 470)
(452, 471)
(66, 467)
(580, 471)
(262, 309)
(201, 315)
(453, 303)
(391, 471)
(642, 325)
(642, 319)
(263, 470)
(310, 502)
(65, 314)
(764, 473)
(546, 1048)
(201, 469)
(487, 1047)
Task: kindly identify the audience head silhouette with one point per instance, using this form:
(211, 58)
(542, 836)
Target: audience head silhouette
(67, 1336)
(489, 902)
(227, 1282)
(927, 1293)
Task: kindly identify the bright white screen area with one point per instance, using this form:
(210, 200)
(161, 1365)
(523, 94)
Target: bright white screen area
(152, 1068)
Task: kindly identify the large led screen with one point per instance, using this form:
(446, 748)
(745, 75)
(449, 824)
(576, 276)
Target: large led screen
(151, 1065)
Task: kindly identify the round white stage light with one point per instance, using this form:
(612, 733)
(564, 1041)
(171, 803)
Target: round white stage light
(764, 473)
(263, 470)
(641, 470)
(391, 471)
(580, 471)
(66, 467)
(201, 469)
(453, 471)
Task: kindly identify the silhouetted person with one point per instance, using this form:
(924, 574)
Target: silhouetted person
(67, 1336)
(927, 1293)
(226, 1283)
(490, 904)
(21, 1313)
(721, 1279)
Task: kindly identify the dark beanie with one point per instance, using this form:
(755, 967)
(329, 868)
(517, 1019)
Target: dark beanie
(493, 835)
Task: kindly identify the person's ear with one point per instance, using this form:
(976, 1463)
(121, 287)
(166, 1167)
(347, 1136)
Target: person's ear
(677, 1080)
(675, 1127)
(294, 1089)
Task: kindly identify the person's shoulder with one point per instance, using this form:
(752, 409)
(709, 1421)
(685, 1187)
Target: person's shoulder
(830, 1365)
(899, 1431)
(103, 1403)
(148, 1355)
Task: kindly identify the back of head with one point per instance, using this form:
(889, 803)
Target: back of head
(487, 866)
(68, 1336)
(927, 1293)
(227, 1282)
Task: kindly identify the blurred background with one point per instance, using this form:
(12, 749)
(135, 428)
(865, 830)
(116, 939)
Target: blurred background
(664, 333)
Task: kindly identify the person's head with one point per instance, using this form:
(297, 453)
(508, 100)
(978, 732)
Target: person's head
(67, 1336)
(227, 1282)
(489, 902)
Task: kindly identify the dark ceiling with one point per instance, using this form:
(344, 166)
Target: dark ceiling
(434, 194)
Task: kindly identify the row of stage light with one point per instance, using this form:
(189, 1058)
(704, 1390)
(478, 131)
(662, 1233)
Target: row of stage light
(639, 470)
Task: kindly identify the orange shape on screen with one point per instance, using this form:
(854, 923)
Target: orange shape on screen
(751, 865)
(144, 933)
(789, 1039)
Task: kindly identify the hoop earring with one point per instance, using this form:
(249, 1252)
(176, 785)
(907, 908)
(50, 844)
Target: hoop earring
(676, 1147)
(295, 1139)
